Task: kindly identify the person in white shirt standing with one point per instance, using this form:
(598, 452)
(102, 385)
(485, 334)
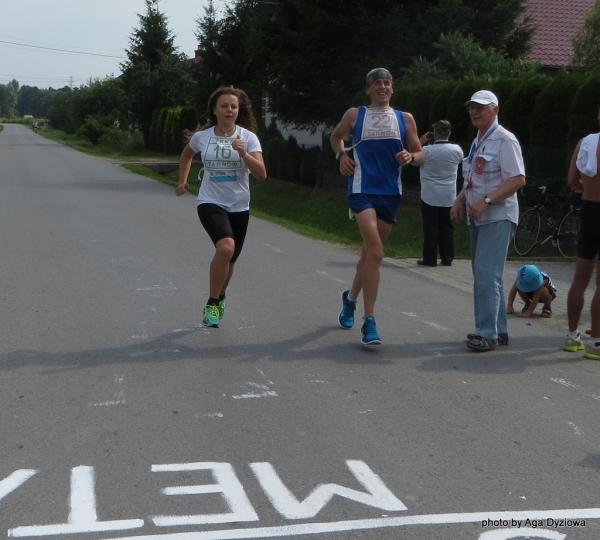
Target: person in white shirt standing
(230, 152)
(438, 191)
(494, 171)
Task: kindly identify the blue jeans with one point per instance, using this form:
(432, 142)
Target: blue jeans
(489, 246)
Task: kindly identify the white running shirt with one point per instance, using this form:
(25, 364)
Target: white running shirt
(226, 180)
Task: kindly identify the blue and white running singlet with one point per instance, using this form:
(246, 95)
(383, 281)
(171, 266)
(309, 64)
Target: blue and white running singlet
(378, 136)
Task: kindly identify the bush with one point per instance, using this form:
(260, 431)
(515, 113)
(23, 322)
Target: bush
(152, 138)
(548, 125)
(440, 101)
(91, 129)
(167, 132)
(188, 120)
(274, 155)
(293, 155)
(114, 139)
(160, 128)
(515, 112)
(307, 173)
(583, 114)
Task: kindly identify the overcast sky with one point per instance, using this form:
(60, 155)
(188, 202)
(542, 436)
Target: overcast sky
(102, 27)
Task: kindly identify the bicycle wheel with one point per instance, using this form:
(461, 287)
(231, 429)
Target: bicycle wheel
(568, 233)
(528, 230)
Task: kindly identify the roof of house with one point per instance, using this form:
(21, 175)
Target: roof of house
(555, 23)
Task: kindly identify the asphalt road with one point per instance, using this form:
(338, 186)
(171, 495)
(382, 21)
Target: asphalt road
(121, 417)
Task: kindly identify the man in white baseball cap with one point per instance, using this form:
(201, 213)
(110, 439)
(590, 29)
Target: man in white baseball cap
(483, 97)
(493, 172)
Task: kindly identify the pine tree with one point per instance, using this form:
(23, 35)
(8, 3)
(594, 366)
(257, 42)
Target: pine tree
(587, 41)
(154, 74)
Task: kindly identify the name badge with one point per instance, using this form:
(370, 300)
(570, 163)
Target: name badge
(479, 165)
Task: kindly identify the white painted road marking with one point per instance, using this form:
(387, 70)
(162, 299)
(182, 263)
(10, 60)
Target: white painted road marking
(379, 523)
(435, 325)
(526, 532)
(227, 484)
(83, 517)
(378, 495)
(15, 480)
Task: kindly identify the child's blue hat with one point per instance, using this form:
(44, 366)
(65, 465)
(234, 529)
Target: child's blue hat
(529, 278)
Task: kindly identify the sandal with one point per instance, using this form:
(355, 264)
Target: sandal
(481, 344)
(546, 313)
(502, 338)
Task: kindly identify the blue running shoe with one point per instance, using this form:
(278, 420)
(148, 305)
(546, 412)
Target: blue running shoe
(346, 317)
(211, 316)
(369, 332)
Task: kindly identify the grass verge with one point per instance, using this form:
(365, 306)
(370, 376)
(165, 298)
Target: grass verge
(323, 214)
(83, 145)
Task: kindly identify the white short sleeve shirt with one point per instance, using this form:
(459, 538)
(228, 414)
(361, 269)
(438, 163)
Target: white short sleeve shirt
(489, 164)
(226, 179)
(438, 173)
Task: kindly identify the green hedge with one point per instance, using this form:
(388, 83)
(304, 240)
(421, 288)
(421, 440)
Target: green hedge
(547, 114)
(167, 128)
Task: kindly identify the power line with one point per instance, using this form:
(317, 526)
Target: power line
(37, 78)
(53, 49)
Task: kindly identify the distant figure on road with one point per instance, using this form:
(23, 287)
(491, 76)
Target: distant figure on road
(230, 152)
(533, 286)
(384, 140)
(584, 178)
(494, 172)
(438, 191)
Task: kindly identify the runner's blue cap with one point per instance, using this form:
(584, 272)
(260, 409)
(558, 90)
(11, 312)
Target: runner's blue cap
(378, 73)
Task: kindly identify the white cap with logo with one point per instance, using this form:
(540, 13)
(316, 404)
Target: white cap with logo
(483, 97)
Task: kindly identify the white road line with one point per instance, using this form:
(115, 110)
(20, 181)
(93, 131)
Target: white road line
(568, 384)
(256, 395)
(272, 247)
(14, 480)
(576, 429)
(435, 325)
(264, 376)
(365, 524)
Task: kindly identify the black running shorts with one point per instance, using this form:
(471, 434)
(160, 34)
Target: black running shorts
(588, 246)
(220, 224)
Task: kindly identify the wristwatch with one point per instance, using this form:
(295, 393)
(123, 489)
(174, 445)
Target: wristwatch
(487, 200)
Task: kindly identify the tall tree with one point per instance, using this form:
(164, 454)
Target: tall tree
(8, 98)
(154, 74)
(459, 57)
(207, 73)
(225, 45)
(310, 56)
(586, 44)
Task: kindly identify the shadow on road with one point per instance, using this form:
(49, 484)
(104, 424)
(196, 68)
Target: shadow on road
(438, 357)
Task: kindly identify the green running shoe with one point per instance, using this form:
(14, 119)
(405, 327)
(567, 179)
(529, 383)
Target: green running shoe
(221, 308)
(211, 316)
(573, 344)
(592, 350)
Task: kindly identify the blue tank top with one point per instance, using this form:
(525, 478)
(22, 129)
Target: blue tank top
(378, 137)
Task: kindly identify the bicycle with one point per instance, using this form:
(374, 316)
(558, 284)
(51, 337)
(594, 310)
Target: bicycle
(540, 224)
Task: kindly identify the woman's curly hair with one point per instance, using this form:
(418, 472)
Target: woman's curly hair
(245, 117)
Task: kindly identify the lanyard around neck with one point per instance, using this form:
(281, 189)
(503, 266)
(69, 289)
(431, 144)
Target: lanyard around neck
(475, 147)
